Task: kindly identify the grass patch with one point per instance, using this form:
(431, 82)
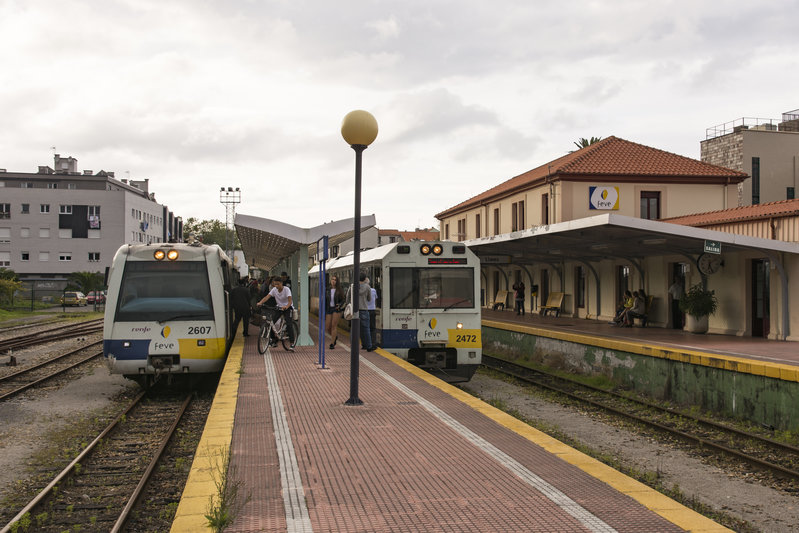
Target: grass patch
(224, 506)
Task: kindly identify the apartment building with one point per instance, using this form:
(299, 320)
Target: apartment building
(58, 220)
(765, 149)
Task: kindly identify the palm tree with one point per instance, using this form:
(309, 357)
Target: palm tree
(583, 142)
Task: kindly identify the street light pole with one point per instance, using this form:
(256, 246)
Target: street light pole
(359, 129)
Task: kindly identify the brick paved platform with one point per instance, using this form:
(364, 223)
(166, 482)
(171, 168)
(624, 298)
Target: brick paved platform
(418, 455)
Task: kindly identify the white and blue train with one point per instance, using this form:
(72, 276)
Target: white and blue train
(167, 311)
(428, 305)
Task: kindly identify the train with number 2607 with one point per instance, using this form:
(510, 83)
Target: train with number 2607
(427, 308)
(167, 311)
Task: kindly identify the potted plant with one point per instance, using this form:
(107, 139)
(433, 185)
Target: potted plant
(697, 304)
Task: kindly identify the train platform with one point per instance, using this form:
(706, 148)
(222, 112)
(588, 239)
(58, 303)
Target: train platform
(418, 455)
(753, 355)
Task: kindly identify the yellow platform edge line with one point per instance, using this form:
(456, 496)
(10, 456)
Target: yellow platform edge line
(216, 437)
(673, 511)
(696, 357)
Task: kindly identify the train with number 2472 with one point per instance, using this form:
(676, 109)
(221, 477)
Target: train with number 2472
(167, 311)
(427, 308)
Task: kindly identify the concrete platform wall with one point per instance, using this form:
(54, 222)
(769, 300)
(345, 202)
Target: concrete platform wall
(712, 383)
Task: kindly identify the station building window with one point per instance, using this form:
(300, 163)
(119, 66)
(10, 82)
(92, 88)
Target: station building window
(755, 180)
(650, 205)
(496, 221)
(517, 216)
(477, 232)
(544, 209)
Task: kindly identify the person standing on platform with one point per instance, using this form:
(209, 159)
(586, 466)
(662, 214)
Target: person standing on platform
(372, 307)
(364, 296)
(676, 291)
(240, 301)
(334, 306)
(518, 287)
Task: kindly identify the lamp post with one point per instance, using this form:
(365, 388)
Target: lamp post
(359, 129)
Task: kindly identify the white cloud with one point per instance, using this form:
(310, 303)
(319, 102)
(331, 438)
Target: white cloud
(196, 95)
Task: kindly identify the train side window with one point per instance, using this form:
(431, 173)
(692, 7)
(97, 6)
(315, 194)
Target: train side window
(402, 289)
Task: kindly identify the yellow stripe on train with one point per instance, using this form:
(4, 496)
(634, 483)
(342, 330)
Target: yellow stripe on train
(212, 349)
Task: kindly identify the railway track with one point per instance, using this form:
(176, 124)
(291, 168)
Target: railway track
(52, 334)
(26, 378)
(100, 487)
(759, 451)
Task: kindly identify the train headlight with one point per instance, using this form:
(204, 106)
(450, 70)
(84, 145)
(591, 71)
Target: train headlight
(172, 255)
(459, 325)
(438, 249)
(425, 249)
(159, 255)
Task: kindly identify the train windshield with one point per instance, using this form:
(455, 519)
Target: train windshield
(426, 288)
(164, 291)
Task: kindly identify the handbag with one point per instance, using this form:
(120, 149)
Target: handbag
(348, 307)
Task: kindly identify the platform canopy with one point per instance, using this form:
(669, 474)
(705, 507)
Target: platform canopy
(611, 236)
(266, 242)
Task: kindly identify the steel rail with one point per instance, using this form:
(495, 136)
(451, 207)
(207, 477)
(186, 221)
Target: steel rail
(41, 337)
(44, 363)
(699, 440)
(47, 377)
(70, 467)
(137, 492)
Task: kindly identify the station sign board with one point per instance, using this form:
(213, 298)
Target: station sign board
(494, 259)
(712, 247)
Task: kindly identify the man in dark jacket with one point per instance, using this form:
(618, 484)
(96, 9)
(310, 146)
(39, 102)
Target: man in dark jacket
(240, 301)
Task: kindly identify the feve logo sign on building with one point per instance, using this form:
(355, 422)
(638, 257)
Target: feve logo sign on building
(603, 198)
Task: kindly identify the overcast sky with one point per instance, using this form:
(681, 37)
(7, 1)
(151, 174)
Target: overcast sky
(200, 94)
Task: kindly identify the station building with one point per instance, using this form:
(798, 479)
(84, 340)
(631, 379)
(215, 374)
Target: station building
(603, 219)
(59, 220)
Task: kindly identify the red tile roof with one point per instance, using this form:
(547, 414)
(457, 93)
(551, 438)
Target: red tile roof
(420, 235)
(783, 208)
(611, 159)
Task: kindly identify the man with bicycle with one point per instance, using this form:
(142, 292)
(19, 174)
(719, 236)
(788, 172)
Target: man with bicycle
(282, 296)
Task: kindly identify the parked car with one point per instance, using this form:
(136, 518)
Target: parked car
(95, 295)
(73, 298)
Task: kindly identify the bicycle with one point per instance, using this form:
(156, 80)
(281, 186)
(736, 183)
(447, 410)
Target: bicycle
(275, 329)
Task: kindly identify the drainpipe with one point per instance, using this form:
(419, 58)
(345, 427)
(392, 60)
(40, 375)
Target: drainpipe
(551, 194)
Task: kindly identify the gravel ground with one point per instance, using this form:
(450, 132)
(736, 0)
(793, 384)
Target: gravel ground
(26, 420)
(764, 509)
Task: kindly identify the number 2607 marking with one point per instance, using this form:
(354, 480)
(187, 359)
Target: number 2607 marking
(466, 338)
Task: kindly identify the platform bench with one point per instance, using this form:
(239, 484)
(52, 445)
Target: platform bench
(554, 302)
(499, 300)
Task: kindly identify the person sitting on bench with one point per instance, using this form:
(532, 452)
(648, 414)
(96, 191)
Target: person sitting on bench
(638, 310)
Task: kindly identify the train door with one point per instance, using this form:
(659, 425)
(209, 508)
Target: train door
(400, 328)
